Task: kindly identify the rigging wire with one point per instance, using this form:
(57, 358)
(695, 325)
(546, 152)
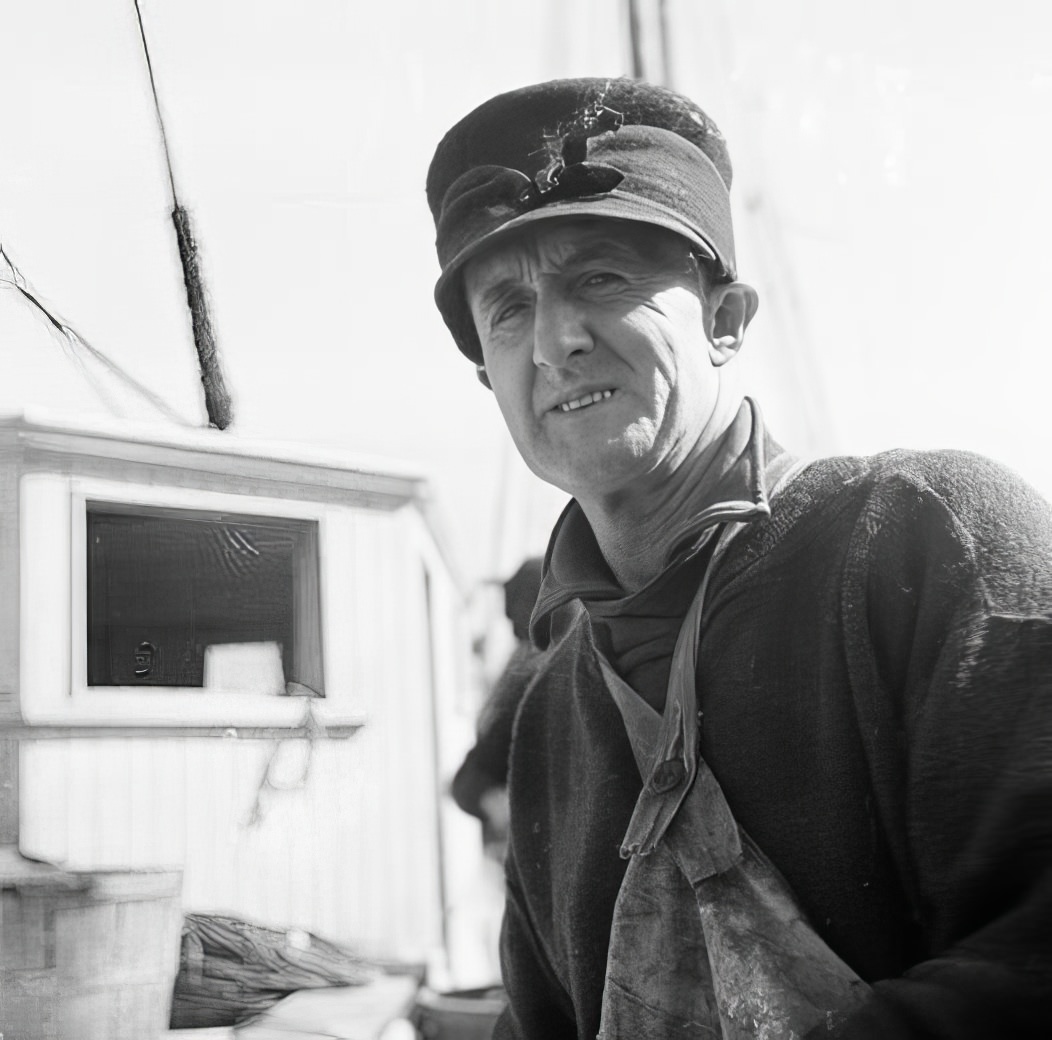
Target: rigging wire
(156, 102)
(77, 343)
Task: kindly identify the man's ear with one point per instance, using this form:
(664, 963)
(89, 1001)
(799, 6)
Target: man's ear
(483, 376)
(731, 308)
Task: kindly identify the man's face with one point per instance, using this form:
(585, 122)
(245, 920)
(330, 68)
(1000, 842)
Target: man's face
(593, 336)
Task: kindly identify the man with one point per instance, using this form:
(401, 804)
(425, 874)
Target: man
(787, 767)
(479, 786)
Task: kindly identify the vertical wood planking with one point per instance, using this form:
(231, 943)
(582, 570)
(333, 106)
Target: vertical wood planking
(9, 583)
(44, 801)
(351, 854)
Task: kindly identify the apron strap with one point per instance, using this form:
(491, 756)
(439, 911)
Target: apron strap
(665, 746)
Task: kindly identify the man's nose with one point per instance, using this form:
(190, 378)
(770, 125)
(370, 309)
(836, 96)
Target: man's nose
(560, 329)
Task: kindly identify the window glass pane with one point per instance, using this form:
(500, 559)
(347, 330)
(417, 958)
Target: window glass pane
(185, 599)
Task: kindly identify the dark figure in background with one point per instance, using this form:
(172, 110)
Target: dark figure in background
(786, 768)
(480, 786)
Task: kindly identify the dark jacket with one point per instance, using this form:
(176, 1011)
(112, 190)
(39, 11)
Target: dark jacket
(875, 682)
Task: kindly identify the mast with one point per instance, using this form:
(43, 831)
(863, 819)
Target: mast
(705, 40)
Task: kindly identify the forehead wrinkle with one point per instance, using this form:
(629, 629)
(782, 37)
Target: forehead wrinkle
(600, 241)
(561, 248)
(536, 248)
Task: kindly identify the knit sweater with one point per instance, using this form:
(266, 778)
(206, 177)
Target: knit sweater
(875, 682)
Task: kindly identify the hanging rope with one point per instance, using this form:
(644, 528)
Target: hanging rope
(310, 730)
(217, 398)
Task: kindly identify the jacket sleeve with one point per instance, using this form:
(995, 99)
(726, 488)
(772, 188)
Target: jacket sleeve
(948, 602)
(538, 1008)
(486, 764)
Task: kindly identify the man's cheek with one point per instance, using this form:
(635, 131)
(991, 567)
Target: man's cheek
(508, 409)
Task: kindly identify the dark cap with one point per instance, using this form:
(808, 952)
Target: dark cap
(520, 594)
(614, 148)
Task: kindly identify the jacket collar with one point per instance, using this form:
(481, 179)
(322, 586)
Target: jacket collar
(574, 567)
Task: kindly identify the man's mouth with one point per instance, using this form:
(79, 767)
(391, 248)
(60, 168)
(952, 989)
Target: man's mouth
(585, 400)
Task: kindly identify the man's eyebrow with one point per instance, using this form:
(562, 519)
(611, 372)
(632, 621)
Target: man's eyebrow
(608, 250)
(493, 292)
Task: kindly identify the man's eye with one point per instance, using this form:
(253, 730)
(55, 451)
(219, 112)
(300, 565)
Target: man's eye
(600, 279)
(506, 313)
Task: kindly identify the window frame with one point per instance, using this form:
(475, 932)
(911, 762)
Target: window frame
(80, 704)
(304, 603)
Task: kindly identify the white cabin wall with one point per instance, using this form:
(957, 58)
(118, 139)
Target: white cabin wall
(472, 888)
(352, 853)
(399, 781)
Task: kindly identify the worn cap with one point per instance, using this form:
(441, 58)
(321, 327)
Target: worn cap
(575, 147)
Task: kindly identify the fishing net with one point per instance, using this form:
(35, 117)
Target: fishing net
(230, 969)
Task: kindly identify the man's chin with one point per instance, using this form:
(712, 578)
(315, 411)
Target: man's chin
(598, 474)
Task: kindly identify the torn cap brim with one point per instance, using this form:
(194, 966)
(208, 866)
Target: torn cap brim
(612, 205)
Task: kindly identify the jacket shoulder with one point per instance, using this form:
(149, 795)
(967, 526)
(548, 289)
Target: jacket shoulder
(922, 504)
(978, 491)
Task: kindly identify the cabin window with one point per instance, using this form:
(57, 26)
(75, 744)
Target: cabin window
(193, 599)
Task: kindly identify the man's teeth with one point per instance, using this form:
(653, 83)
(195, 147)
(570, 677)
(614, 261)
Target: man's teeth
(584, 402)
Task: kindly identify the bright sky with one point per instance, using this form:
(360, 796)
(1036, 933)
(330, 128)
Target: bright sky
(891, 191)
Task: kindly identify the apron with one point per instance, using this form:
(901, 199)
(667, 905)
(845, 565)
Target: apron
(707, 938)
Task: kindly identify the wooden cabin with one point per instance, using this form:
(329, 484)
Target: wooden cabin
(244, 662)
